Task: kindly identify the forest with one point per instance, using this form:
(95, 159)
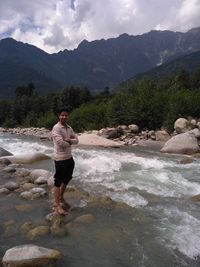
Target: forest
(151, 104)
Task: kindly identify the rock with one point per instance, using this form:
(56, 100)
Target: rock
(26, 227)
(37, 232)
(27, 158)
(84, 219)
(185, 143)
(41, 180)
(162, 135)
(26, 195)
(195, 198)
(9, 169)
(24, 207)
(182, 125)
(30, 256)
(134, 128)
(4, 152)
(38, 173)
(4, 161)
(4, 191)
(186, 160)
(11, 186)
(28, 186)
(95, 140)
(38, 190)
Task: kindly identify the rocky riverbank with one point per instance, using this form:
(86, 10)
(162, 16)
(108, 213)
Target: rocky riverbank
(27, 215)
(31, 228)
(184, 139)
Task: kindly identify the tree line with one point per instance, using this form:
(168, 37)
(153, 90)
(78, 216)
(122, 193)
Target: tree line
(147, 103)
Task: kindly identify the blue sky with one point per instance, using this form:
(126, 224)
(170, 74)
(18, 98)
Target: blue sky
(56, 25)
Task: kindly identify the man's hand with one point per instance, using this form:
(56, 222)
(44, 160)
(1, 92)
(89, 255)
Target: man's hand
(68, 140)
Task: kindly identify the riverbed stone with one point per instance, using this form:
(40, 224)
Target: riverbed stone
(162, 135)
(4, 161)
(41, 180)
(186, 160)
(37, 232)
(184, 143)
(195, 198)
(30, 256)
(11, 186)
(4, 152)
(26, 195)
(28, 186)
(4, 191)
(182, 125)
(24, 207)
(38, 173)
(9, 169)
(26, 227)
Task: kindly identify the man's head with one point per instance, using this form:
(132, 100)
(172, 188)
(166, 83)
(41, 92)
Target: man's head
(63, 115)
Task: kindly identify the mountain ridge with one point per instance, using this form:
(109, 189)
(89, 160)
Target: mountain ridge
(94, 64)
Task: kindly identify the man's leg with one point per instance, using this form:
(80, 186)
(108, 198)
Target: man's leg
(58, 207)
(62, 191)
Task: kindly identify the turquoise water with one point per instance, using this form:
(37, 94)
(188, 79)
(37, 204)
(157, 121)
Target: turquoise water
(161, 227)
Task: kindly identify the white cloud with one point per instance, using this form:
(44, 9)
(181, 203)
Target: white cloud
(55, 25)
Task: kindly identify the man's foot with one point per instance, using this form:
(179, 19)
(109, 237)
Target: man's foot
(64, 204)
(59, 210)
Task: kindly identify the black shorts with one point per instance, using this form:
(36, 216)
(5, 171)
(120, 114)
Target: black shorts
(64, 170)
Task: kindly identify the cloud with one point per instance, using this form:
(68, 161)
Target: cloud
(63, 24)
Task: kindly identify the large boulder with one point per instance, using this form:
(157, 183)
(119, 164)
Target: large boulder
(95, 140)
(4, 152)
(182, 125)
(185, 143)
(27, 158)
(30, 256)
(162, 135)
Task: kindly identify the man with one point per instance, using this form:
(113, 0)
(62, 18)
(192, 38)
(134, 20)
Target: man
(63, 137)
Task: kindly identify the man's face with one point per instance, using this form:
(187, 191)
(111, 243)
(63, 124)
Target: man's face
(63, 117)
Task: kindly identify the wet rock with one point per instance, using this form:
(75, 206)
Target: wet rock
(38, 173)
(38, 232)
(26, 227)
(4, 191)
(26, 195)
(102, 200)
(11, 186)
(9, 169)
(27, 158)
(28, 186)
(24, 207)
(84, 219)
(4, 161)
(4, 152)
(10, 228)
(41, 180)
(30, 256)
(186, 160)
(195, 198)
(38, 192)
(58, 228)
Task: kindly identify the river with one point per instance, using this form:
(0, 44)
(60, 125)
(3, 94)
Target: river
(163, 228)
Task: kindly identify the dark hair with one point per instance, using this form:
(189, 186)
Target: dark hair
(62, 109)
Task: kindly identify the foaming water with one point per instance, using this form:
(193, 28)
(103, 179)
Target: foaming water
(180, 231)
(149, 182)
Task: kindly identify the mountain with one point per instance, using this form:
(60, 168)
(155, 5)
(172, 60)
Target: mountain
(95, 64)
(190, 62)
